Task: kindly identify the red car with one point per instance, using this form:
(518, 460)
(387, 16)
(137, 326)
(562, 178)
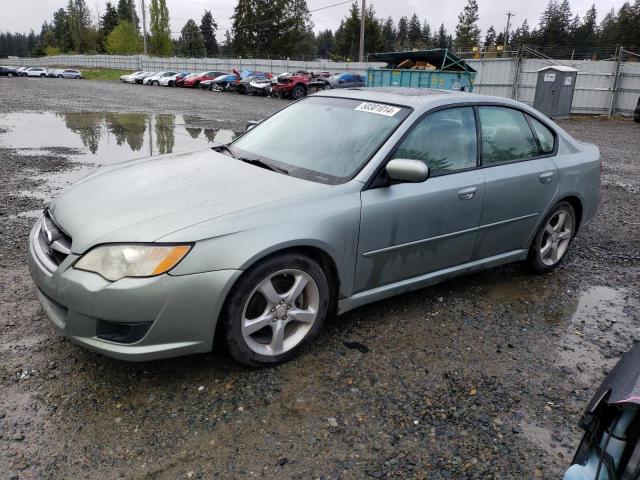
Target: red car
(297, 85)
(194, 82)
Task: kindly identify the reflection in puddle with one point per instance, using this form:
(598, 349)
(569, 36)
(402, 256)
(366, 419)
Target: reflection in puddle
(91, 139)
(108, 137)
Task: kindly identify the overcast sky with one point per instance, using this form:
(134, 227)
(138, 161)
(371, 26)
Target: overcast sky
(24, 15)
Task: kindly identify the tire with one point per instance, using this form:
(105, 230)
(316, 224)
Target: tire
(327, 86)
(251, 321)
(42, 75)
(553, 239)
(10, 75)
(241, 89)
(59, 76)
(77, 77)
(298, 92)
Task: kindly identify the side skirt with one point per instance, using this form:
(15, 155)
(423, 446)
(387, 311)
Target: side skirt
(415, 283)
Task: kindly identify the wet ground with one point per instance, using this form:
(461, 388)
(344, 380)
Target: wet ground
(481, 377)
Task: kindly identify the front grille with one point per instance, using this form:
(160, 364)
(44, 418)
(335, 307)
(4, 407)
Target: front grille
(52, 244)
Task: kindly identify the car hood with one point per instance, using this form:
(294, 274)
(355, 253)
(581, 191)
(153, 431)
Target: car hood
(144, 200)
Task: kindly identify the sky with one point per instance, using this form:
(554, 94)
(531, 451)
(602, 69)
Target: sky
(24, 15)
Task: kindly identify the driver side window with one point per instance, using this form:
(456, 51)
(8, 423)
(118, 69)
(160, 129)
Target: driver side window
(445, 140)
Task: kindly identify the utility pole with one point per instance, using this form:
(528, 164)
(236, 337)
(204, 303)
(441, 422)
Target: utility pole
(144, 26)
(362, 21)
(506, 32)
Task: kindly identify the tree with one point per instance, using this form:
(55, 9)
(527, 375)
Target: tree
(520, 36)
(347, 36)
(127, 13)
(426, 34)
(78, 23)
(442, 38)
(414, 32)
(160, 39)
(585, 34)
(191, 41)
(490, 38)
(124, 40)
(402, 36)
(109, 20)
(325, 43)
(467, 31)
(554, 24)
(208, 28)
(388, 35)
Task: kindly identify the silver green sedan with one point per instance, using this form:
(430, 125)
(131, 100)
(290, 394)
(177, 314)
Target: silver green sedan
(259, 240)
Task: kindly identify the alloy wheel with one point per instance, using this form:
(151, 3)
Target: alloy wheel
(280, 312)
(556, 238)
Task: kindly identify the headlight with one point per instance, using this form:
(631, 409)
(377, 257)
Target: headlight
(114, 262)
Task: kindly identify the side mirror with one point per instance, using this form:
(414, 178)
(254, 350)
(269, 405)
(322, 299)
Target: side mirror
(405, 170)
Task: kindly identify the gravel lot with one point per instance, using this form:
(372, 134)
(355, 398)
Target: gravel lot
(480, 377)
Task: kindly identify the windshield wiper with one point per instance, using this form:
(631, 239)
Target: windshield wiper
(225, 147)
(259, 163)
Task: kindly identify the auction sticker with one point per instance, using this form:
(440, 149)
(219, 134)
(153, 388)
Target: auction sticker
(379, 108)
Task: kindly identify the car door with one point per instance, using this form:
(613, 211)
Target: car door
(410, 229)
(521, 179)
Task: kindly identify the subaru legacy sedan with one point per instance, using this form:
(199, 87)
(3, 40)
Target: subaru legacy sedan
(259, 240)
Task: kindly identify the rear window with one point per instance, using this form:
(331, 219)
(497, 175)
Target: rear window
(544, 134)
(506, 136)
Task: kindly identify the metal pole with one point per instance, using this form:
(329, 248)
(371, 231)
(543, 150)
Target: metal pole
(516, 77)
(144, 26)
(362, 21)
(506, 32)
(614, 87)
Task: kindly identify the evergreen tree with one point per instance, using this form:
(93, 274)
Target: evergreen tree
(402, 36)
(109, 20)
(325, 43)
(426, 34)
(60, 29)
(347, 36)
(388, 35)
(191, 41)
(442, 38)
(555, 23)
(127, 13)
(467, 31)
(520, 36)
(160, 38)
(585, 33)
(490, 38)
(79, 23)
(414, 32)
(208, 28)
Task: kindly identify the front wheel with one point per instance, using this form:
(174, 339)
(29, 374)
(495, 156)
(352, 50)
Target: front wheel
(298, 92)
(10, 75)
(274, 309)
(553, 239)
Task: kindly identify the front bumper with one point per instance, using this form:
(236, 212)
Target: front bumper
(183, 309)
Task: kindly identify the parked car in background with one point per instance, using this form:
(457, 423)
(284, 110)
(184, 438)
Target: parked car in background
(345, 80)
(194, 81)
(34, 72)
(241, 85)
(260, 86)
(138, 79)
(297, 85)
(70, 73)
(222, 82)
(53, 72)
(7, 72)
(266, 236)
(127, 78)
(155, 79)
(179, 82)
(169, 81)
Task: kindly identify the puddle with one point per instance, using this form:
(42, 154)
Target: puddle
(604, 322)
(92, 139)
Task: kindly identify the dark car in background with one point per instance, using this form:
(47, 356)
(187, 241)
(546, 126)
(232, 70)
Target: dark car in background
(7, 72)
(345, 80)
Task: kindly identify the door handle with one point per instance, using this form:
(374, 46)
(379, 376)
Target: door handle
(546, 177)
(467, 193)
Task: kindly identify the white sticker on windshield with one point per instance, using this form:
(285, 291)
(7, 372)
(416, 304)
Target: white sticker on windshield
(379, 108)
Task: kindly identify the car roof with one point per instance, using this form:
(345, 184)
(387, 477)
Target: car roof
(421, 99)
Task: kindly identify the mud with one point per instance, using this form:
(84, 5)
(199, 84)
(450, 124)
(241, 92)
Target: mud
(481, 377)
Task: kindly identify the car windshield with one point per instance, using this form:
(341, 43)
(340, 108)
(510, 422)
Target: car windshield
(329, 139)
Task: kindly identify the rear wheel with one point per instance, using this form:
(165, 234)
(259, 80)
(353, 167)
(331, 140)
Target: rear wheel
(42, 75)
(553, 239)
(10, 75)
(274, 309)
(298, 92)
(59, 76)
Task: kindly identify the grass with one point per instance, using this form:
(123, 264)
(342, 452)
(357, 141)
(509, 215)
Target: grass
(103, 73)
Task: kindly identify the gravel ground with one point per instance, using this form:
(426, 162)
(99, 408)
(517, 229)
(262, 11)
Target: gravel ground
(481, 377)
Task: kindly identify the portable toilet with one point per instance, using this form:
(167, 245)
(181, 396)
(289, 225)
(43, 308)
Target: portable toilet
(437, 68)
(554, 90)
